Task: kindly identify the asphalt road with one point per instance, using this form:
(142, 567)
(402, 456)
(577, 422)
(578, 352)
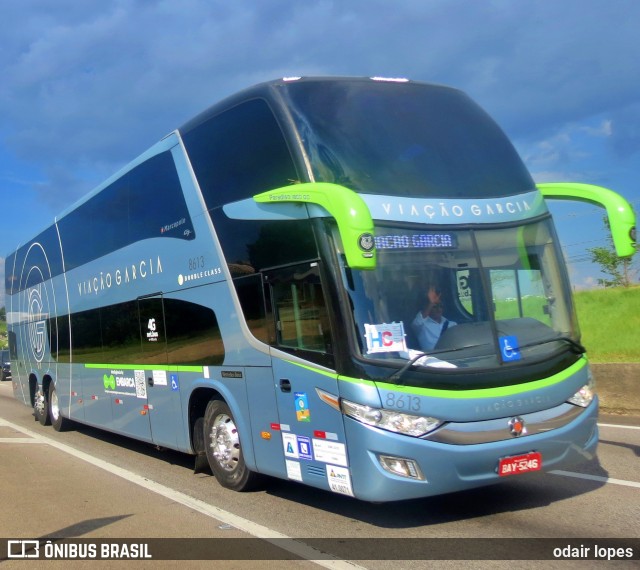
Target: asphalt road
(93, 486)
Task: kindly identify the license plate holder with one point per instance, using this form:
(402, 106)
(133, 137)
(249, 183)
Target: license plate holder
(519, 464)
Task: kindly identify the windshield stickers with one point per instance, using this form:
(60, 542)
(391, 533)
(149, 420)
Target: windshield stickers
(386, 337)
(446, 211)
(509, 348)
(303, 413)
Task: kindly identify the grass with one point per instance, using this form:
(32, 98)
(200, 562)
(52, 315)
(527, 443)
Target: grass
(4, 340)
(610, 323)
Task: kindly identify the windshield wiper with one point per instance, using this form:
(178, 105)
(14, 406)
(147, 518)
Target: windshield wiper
(431, 362)
(396, 376)
(576, 347)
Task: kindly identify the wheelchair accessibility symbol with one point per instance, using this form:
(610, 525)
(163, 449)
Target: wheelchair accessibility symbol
(509, 349)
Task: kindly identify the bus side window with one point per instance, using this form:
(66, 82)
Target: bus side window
(251, 295)
(153, 347)
(239, 153)
(86, 336)
(519, 293)
(300, 312)
(470, 295)
(464, 290)
(120, 332)
(193, 334)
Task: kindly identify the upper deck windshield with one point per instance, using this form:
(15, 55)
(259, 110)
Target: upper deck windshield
(406, 139)
(469, 299)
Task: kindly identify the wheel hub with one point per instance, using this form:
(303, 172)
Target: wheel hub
(225, 443)
(55, 407)
(40, 403)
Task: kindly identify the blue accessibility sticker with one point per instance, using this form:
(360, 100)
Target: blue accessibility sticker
(509, 348)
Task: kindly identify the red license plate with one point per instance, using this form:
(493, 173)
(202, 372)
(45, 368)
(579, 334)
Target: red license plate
(520, 464)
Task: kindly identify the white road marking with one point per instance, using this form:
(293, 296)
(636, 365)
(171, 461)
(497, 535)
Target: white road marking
(254, 529)
(596, 478)
(618, 426)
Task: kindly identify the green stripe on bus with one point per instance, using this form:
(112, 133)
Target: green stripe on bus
(500, 392)
(147, 367)
(490, 392)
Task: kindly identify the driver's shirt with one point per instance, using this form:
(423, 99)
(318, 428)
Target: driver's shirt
(428, 331)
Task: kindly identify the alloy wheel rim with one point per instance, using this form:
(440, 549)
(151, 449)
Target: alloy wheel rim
(225, 443)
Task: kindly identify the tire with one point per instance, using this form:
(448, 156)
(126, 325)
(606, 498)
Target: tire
(41, 407)
(224, 453)
(58, 422)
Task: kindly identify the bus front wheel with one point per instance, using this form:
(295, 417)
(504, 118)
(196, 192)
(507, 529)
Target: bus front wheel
(224, 453)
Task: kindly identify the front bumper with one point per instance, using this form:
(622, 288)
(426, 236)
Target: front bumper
(449, 467)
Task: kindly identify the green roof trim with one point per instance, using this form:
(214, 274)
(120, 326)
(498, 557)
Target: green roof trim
(622, 220)
(348, 209)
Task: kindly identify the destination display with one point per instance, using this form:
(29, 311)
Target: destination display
(431, 240)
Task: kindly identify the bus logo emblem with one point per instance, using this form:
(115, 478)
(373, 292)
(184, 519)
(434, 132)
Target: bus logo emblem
(366, 242)
(109, 382)
(517, 427)
(37, 326)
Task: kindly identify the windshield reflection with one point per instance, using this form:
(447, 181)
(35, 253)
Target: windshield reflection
(463, 298)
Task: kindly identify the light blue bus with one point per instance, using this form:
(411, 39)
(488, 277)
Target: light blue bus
(267, 288)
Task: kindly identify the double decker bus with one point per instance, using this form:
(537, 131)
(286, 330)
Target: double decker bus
(251, 291)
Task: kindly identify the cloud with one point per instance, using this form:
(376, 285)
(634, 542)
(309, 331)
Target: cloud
(574, 152)
(626, 130)
(88, 86)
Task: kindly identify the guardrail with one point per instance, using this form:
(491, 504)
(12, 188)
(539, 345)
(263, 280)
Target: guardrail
(618, 387)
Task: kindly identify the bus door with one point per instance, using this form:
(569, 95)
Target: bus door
(162, 383)
(313, 436)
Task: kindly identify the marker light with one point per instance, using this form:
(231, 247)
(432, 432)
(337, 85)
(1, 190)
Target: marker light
(585, 395)
(397, 422)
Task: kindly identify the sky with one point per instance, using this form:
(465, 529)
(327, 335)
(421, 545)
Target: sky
(86, 86)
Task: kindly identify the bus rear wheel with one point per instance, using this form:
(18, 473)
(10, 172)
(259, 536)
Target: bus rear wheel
(58, 422)
(41, 407)
(224, 453)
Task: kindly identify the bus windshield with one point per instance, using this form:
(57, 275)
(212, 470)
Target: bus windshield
(468, 299)
(406, 139)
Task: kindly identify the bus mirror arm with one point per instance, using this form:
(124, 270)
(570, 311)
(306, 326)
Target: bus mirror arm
(622, 221)
(348, 209)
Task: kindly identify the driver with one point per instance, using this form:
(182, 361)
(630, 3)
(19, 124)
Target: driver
(429, 324)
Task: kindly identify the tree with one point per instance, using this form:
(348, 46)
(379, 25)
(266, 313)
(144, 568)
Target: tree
(618, 268)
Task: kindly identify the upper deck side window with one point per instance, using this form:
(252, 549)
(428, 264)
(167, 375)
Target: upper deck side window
(147, 202)
(34, 262)
(239, 153)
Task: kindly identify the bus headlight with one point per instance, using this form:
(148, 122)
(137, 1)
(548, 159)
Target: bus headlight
(585, 395)
(397, 422)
